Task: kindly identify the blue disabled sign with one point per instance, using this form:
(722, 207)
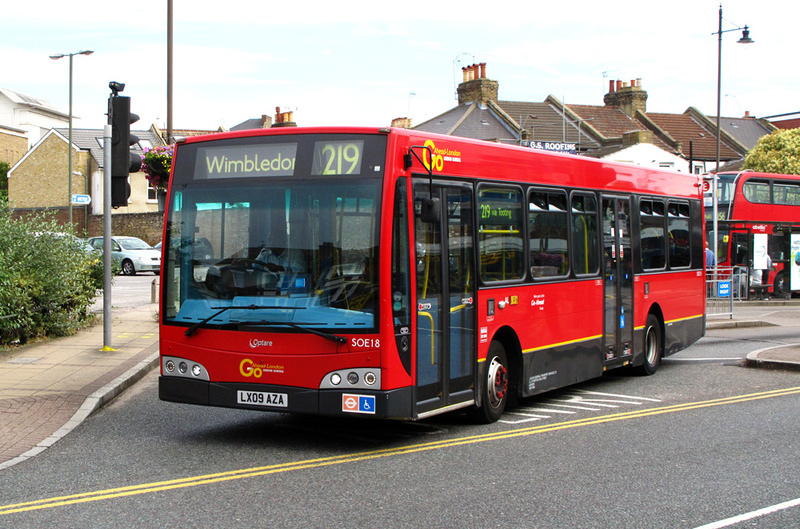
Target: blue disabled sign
(81, 200)
(724, 289)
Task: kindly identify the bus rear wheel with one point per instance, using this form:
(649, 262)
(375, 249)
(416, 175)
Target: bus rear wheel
(494, 386)
(653, 345)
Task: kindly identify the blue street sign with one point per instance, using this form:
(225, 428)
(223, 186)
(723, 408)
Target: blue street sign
(81, 200)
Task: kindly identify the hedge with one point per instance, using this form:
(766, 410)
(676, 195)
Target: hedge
(48, 280)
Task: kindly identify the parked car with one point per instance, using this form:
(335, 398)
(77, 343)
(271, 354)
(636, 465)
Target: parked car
(133, 254)
(202, 248)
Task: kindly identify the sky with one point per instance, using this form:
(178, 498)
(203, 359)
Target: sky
(367, 62)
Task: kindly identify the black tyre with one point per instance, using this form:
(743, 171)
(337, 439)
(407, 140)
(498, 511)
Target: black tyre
(653, 347)
(494, 384)
(127, 268)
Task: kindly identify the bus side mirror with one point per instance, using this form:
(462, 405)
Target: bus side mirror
(431, 210)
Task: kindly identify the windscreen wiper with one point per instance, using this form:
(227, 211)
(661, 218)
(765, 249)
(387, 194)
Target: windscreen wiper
(191, 330)
(327, 335)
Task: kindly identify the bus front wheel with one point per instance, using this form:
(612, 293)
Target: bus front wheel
(494, 386)
(653, 345)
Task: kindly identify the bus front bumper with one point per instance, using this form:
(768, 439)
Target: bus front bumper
(396, 404)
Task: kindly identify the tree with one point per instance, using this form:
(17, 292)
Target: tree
(778, 152)
(4, 168)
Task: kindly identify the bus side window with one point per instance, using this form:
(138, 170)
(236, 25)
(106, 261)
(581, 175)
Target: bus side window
(547, 233)
(500, 233)
(678, 220)
(585, 234)
(651, 224)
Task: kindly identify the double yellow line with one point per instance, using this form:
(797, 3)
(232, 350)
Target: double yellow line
(208, 479)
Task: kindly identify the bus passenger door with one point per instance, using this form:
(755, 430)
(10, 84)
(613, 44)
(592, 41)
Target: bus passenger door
(445, 283)
(617, 280)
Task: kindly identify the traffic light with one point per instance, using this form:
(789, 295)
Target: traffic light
(123, 161)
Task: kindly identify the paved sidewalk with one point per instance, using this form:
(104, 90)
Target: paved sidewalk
(50, 387)
(765, 313)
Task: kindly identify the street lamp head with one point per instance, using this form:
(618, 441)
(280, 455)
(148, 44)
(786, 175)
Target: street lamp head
(745, 37)
(116, 87)
(62, 55)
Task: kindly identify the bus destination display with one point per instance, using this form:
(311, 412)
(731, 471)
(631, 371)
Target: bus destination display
(276, 159)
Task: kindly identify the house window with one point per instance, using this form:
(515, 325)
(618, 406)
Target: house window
(152, 195)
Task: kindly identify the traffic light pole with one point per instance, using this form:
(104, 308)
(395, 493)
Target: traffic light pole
(118, 163)
(107, 236)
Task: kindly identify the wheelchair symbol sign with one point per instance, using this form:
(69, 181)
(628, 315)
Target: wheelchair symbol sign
(358, 403)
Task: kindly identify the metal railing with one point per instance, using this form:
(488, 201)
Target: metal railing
(724, 285)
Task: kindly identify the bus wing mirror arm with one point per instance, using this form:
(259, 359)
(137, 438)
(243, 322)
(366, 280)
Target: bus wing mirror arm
(431, 207)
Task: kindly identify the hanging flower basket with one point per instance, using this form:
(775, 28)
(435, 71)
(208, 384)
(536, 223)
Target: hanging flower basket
(156, 165)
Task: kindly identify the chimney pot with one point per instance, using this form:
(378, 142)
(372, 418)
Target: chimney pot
(483, 70)
(747, 113)
(611, 86)
(619, 84)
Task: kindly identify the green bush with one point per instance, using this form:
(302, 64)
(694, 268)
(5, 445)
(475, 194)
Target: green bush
(47, 280)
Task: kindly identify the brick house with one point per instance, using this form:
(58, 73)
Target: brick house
(39, 181)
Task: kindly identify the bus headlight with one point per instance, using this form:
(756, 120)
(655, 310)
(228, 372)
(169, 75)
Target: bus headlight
(182, 367)
(353, 378)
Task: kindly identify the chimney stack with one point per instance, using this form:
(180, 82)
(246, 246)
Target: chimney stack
(283, 119)
(403, 123)
(627, 97)
(476, 87)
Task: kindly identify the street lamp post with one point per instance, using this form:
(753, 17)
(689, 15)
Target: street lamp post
(69, 146)
(714, 198)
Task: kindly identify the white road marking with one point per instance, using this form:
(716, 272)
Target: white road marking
(573, 402)
(572, 407)
(615, 395)
(751, 515)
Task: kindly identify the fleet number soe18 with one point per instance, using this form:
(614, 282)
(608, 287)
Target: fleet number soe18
(365, 343)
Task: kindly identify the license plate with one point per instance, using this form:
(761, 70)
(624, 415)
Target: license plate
(261, 398)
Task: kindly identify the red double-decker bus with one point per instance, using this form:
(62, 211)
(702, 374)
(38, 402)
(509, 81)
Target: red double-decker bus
(398, 274)
(758, 218)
